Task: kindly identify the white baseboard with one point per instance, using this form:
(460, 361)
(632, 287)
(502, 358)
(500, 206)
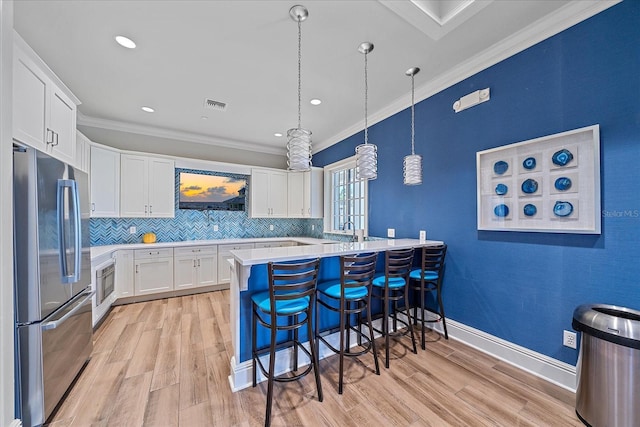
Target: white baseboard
(540, 365)
(15, 423)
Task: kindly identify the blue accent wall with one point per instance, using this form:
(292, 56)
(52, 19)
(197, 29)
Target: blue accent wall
(522, 287)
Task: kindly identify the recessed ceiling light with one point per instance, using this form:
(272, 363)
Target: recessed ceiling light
(125, 42)
(315, 101)
(278, 134)
(204, 117)
(148, 109)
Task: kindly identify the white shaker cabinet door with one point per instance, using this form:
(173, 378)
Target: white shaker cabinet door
(161, 188)
(104, 175)
(133, 186)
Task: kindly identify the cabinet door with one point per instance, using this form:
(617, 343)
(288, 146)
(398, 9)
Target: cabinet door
(62, 121)
(124, 276)
(207, 270)
(184, 271)
(278, 194)
(314, 193)
(29, 102)
(82, 152)
(153, 275)
(105, 183)
(295, 194)
(162, 188)
(259, 194)
(133, 186)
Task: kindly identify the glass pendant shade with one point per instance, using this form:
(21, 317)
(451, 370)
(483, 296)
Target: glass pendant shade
(412, 169)
(367, 161)
(299, 149)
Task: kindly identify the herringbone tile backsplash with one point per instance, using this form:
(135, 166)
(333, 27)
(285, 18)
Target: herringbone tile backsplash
(198, 225)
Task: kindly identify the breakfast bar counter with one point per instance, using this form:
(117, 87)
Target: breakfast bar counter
(249, 275)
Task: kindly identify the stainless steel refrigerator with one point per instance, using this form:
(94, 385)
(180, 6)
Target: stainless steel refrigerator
(52, 265)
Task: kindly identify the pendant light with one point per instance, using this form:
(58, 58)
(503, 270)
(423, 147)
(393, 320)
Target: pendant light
(299, 139)
(366, 154)
(412, 168)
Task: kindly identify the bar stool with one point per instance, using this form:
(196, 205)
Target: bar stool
(428, 278)
(392, 287)
(349, 295)
(292, 288)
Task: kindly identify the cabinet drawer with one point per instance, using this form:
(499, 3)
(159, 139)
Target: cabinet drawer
(153, 253)
(235, 247)
(195, 250)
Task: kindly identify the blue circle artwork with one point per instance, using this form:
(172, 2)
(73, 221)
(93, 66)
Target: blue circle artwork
(501, 210)
(529, 163)
(529, 186)
(501, 189)
(562, 209)
(562, 184)
(500, 167)
(562, 157)
(530, 210)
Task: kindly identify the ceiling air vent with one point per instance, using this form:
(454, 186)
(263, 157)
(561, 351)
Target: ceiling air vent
(210, 104)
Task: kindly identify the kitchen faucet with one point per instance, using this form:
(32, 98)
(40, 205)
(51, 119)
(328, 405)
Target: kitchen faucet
(353, 227)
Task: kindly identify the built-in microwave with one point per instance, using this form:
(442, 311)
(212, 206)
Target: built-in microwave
(105, 282)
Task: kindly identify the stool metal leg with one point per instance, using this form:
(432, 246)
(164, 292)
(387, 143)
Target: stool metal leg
(315, 359)
(272, 368)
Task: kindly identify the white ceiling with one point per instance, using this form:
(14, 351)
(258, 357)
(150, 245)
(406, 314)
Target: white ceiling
(244, 53)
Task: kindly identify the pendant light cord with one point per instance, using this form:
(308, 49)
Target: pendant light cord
(413, 127)
(299, 70)
(366, 99)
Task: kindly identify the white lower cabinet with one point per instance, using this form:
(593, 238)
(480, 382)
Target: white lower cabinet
(195, 266)
(224, 254)
(153, 271)
(124, 277)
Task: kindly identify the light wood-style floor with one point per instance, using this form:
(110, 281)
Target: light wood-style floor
(166, 363)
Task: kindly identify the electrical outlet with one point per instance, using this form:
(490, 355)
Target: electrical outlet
(271, 227)
(215, 227)
(391, 232)
(569, 339)
(423, 235)
(313, 227)
(132, 230)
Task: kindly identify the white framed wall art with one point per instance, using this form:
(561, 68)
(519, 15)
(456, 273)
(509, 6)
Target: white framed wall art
(549, 184)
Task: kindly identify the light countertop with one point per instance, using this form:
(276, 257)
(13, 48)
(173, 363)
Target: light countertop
(248, 257)
(99, 251)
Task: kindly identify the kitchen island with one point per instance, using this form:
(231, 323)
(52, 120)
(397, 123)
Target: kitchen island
(249, 275)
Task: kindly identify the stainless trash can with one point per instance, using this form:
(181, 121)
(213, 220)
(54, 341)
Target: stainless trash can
(608, 391)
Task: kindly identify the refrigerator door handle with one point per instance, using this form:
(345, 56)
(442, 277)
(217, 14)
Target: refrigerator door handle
(55, 323)
(63, 210)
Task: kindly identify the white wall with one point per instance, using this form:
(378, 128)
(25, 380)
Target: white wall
(6, 224)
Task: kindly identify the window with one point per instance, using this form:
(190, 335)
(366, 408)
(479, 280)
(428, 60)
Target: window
(345, 198)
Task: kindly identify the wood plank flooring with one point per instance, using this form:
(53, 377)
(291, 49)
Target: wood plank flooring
(166, 363)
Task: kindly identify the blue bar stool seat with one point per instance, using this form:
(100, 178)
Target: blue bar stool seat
(349, 295)
(291, 294)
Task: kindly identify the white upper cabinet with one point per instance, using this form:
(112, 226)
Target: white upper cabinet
(44, 110)
(105, 182)
(147, 187)
(305, 195)
(268, 193)
(83, 152)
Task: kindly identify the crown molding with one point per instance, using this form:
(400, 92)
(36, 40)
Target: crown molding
(569, 15)
(94, 122)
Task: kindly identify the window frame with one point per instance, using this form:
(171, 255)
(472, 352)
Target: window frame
(329, 170)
